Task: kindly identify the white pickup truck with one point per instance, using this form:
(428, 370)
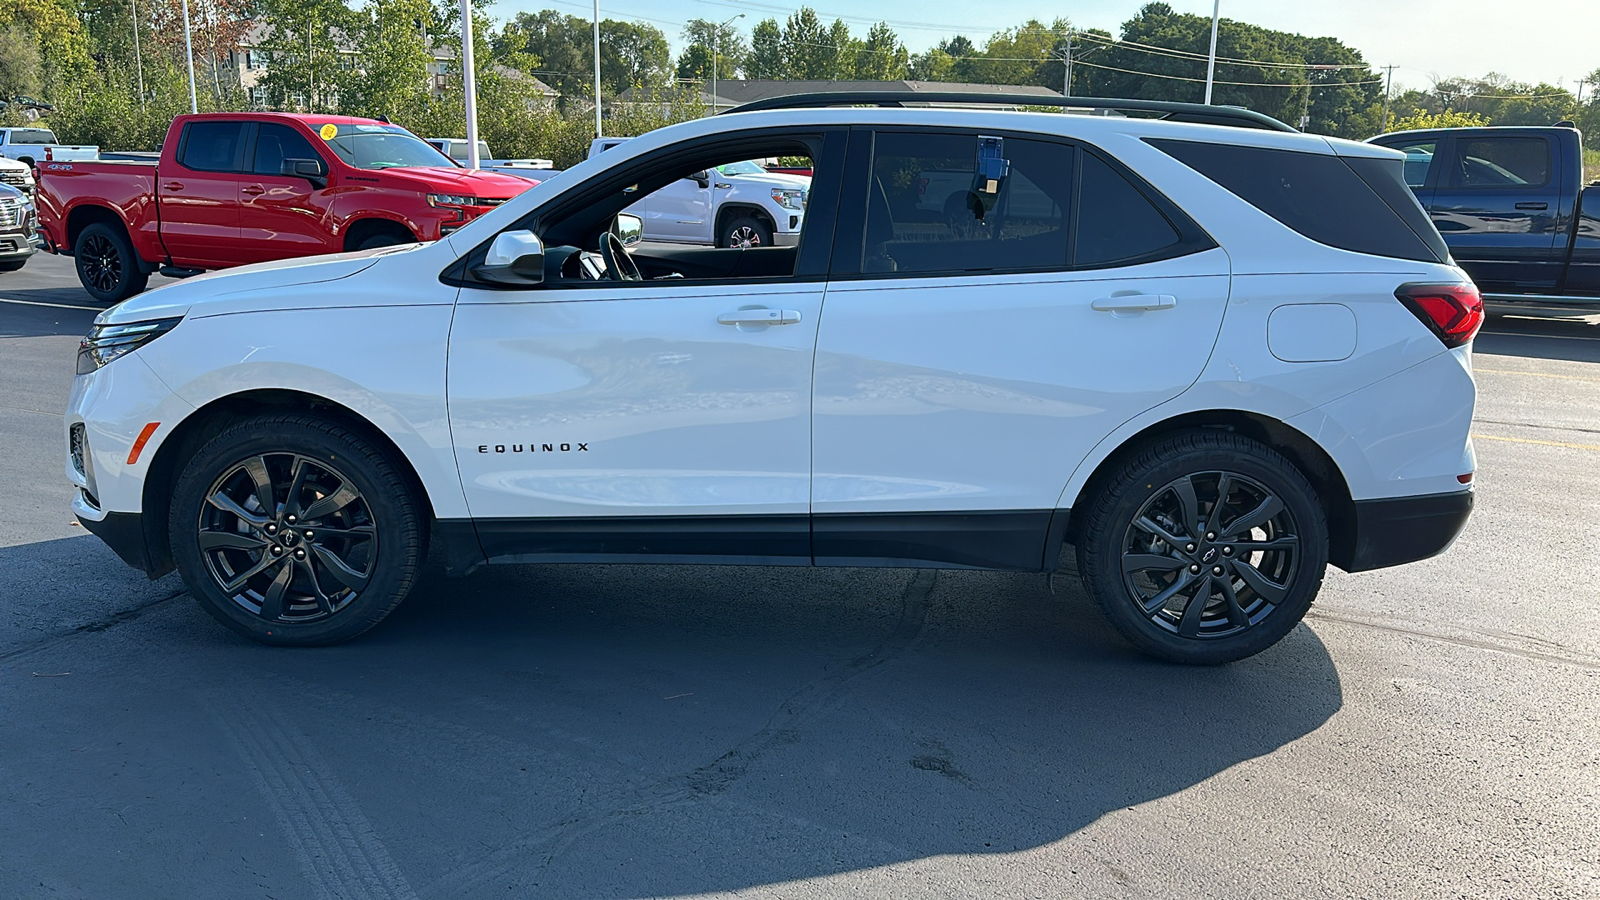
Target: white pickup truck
(739, 204)
(456, 149)
(36, 145)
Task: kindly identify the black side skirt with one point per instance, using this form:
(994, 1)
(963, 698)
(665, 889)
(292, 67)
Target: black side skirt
(1016, 540)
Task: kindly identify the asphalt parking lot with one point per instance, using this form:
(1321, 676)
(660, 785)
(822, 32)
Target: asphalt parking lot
(628, 731)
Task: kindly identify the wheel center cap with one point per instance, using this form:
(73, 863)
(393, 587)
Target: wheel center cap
(1210, 554)
(288, 537)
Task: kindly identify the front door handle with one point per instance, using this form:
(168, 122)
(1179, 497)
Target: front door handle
(172, 186)
(253, 190)
(1135, 302)
(1533, 204)
(760, 317)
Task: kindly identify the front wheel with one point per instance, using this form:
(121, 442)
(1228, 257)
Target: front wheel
(107, 266)
(746, 232)
(13, 265)
(1205, 548)
(296, 531)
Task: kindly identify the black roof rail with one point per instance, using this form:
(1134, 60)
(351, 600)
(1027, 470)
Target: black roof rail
(1176, 112)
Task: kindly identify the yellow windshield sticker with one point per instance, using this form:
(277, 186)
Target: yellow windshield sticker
(329, 131)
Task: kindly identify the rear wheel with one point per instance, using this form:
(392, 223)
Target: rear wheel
(291, 530)
(1205, 548)
(107, 266)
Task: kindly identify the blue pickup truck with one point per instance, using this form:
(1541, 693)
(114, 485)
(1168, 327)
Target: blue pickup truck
(1512, 205)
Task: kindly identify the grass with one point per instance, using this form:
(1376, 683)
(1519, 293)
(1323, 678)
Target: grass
(1591, 166)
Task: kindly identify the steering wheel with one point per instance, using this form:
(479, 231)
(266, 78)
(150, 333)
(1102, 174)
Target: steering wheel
(619, 265)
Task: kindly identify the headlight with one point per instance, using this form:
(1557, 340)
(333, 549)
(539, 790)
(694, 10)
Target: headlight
(789, 198)
(451, 200)
(107, 342)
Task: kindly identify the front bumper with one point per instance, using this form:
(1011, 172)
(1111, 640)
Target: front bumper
(789, 239)
(122, 532)
(1399, 530)
(17, 245)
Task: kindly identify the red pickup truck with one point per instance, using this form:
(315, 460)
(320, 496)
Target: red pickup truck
(237, 188)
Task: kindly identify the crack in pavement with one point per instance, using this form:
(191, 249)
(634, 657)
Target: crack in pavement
(782, 727)
(1563, 655)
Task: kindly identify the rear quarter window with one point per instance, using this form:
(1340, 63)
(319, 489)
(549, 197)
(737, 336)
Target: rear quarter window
(1326, 198)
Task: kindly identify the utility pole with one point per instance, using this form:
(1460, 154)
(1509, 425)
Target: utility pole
(1066, 86)
(469, 83)
(1211, 64)
(138, 59)
(1388, 89)
(1581, 83)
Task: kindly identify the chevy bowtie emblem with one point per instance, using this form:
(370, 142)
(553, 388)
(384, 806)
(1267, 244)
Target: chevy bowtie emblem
(1210, 555)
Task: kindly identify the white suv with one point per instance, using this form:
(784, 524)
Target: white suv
(1212, 358)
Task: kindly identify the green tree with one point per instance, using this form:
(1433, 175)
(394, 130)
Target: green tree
(562, 44)
(765, 60)
(632, 54)
(881, 57)
(808, 53)
(21, 67)
(695, 61)
(1448, 118)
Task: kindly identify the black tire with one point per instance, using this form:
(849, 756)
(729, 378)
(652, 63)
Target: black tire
(107, 266)
(12, 265)
(745, 231)
(1254, 580)
(377, 535)
(385, 239)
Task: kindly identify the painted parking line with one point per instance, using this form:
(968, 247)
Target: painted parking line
(54, 305)
(1570, 446)
(1534, 374)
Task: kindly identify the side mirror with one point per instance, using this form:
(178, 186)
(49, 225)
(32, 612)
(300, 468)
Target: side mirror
(628, 228)
(311, 170)
(702, 178)
(515, 257)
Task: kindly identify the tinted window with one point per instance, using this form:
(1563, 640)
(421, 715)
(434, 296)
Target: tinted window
(1317, 195)
(33, 136)
(924, 216)
(211, 146)
(276, 143)
(1387, 179)
(1116, 221)
(1502, 162)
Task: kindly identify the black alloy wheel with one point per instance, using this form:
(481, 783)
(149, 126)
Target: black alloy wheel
(1205, 547)
(287, 538)
(101, 265)
(1215, 573)
(298, 531)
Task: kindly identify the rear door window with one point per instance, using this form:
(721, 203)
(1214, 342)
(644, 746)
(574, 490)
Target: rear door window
(1510, 162)
(1323, 197)
(211, 146)
(924, 215)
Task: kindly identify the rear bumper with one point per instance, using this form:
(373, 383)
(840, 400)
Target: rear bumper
(1399, 530)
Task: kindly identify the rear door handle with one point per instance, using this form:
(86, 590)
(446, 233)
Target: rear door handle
(760, 317)
(253, 190)
(1135, 302)
(172, 186)
(1533, 204)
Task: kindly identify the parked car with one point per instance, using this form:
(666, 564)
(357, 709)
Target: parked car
(737, 204)
(31, 103)
(237, 188)
(18, 229)
(1513, 208)
(37, 145)
(456, 149)
(1231, 357)
(18, 175)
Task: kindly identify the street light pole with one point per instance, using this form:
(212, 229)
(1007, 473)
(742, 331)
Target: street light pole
(716, 36)
(597, 130)
(188, 49)
(469, 83)
(1211, 64)
(138, 60)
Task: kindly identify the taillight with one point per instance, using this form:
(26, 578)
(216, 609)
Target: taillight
(1453, 312)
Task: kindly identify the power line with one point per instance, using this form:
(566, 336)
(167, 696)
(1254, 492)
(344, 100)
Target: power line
(1201, 57)
(1276, 84)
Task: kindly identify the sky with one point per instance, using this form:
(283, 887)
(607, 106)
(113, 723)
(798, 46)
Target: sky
(1527, 40)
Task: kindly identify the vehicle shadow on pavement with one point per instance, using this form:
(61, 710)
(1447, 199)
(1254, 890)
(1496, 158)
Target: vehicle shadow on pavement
(610, 732)
(1569, 339)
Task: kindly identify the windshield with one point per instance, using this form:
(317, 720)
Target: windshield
(742, 168)
(32, 136)
(380, 146)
